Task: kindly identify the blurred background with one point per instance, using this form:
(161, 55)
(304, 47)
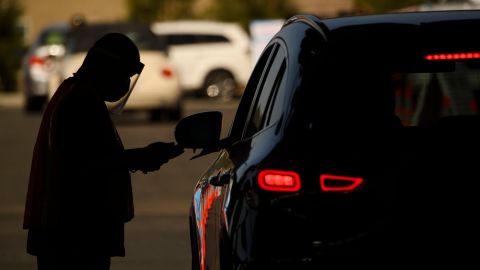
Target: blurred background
(201, 53)
(21, 21)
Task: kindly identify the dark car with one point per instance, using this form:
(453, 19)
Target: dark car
(40, 62)
(356, 141)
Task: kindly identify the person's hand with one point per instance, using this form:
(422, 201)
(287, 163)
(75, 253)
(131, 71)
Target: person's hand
(164, 151)
(152, 157)
(159, 153)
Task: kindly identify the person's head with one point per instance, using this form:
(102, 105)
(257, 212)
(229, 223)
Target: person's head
(109, 64)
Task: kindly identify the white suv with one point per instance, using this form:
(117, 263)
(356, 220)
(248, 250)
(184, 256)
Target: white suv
(211, 58)
(158, 89)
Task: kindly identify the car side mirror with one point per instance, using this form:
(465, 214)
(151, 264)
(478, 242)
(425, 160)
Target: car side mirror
(199, 131)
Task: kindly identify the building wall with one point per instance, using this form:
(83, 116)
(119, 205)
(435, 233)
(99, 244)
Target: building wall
(39, 13)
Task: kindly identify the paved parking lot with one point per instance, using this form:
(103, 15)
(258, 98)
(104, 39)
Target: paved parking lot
(11, 100)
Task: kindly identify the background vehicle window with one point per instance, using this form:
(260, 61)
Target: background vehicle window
(52, 37)
(266, 93)
(188, 39)
(81, 39)
(181, 39)
(211, 39)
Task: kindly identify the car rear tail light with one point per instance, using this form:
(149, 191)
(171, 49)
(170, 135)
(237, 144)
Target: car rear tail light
(335, 183)
(167, 72)
(35, 60)
(453, 56)
(281, 181)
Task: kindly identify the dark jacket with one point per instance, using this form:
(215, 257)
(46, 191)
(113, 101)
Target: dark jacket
(79, 194)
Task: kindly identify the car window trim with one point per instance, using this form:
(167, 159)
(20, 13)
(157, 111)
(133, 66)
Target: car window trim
(260, 86)
(273, 96)
(238, 125)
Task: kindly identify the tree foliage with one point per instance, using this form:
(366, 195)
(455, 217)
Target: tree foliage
(244, 11)
(11, 44)
(152, 10)
(143, 10)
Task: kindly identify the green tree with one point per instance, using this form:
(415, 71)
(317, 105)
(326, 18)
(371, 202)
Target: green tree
(244, 11)
(144, 10)
(380, 6)
(11, 44)
(177, 9)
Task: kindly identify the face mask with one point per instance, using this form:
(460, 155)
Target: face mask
(117, 107)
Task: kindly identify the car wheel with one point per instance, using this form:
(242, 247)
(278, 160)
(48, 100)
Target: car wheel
(158, 115)
(35, 104)
(220, 84)
(176, 113)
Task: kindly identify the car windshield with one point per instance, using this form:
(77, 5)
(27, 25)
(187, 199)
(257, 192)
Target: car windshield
(82, 38)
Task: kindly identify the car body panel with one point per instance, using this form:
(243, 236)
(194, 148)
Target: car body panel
(318, 106)
(208, 58)
(40, 63)
(197, 49)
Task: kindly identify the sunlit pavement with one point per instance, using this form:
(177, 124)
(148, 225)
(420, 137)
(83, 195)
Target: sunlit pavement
(15, 100)
(10, 100)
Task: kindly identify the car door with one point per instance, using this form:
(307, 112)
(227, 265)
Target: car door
(259, 132)
(214, 200)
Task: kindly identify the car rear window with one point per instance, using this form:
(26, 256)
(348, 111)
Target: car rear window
(372, 76)
(82, 38)
(424, 99)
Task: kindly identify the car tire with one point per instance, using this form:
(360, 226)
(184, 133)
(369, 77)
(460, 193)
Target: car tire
(220, 84)
(156, 115)
(174, 114)
(35, 104)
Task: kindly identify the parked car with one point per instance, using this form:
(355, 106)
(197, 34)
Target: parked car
(157, 90)
(212, 58)
(39, 64)
(355, 144)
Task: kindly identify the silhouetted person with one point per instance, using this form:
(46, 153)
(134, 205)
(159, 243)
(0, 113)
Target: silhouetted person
(80, 194)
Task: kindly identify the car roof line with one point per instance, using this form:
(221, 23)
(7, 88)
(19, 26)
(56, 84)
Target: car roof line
(307, 19)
